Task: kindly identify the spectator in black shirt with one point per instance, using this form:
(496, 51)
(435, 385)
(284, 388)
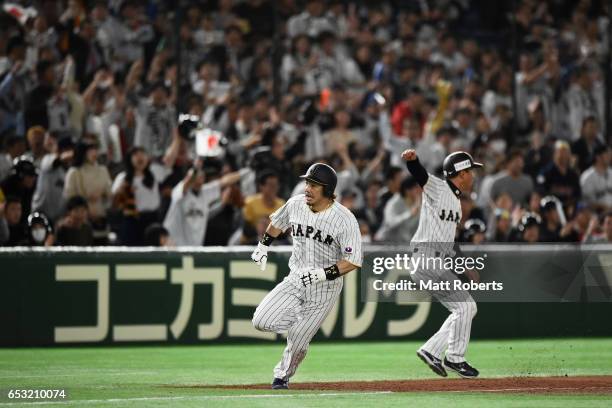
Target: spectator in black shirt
(528, 230)
(259, 14)
(222, 224)
(156, 235)
(13, 224)
(393, 180)
(553, 229)
(370, 211)
(37, 98)
(74, 228)
(558, 178)
(550, 229)
(584, 148)
(21, 183)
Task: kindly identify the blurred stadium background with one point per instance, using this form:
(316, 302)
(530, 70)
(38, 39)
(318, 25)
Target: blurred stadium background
(92, 91)
(181, 125)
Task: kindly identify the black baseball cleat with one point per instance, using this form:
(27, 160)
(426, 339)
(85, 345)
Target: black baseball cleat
(280, 384)
(433, 362)
(463, 369)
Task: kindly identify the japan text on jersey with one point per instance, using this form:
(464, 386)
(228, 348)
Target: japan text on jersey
(319, 239)
(440, 212)
(299, 230)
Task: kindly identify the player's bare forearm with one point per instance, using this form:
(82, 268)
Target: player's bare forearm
(273, 231)
(173, 150)
(230, 178)
(234, 177)
(345, 267)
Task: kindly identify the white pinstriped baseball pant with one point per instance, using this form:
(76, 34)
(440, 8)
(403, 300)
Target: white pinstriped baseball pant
(454, 334)
(300, 311)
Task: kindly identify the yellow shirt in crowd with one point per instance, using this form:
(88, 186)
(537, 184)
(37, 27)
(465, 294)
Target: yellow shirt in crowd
(254, 208)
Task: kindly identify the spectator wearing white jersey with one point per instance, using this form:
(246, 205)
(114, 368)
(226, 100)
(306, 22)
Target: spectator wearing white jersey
(49, 193)
(155, 119)
(580, 101)
(187, 217)
(312, 21)
(596, 181)
(153, 111)
(401, 214)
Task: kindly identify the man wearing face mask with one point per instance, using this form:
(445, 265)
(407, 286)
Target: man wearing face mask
(39, 230)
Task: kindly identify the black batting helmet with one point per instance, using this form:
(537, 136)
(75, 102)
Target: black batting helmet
(455, 162)
(324, 175)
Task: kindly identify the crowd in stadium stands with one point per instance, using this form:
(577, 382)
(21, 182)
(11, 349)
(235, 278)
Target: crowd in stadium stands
(92, 151)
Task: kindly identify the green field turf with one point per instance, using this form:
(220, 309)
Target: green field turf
(139, 376)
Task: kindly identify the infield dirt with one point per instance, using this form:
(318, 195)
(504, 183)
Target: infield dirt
(530, 385)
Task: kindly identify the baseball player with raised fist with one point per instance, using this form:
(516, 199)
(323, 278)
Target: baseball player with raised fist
(440, 215)
(326, 246)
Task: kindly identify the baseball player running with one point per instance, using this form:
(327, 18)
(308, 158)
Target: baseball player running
(440, 215)
(326, 245)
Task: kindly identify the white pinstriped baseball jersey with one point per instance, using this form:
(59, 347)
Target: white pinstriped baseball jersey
(319, 239)
(440, 213)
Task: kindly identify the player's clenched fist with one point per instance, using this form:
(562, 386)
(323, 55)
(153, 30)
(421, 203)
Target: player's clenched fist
(409, 155)
(260, 255)
(312, 276)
